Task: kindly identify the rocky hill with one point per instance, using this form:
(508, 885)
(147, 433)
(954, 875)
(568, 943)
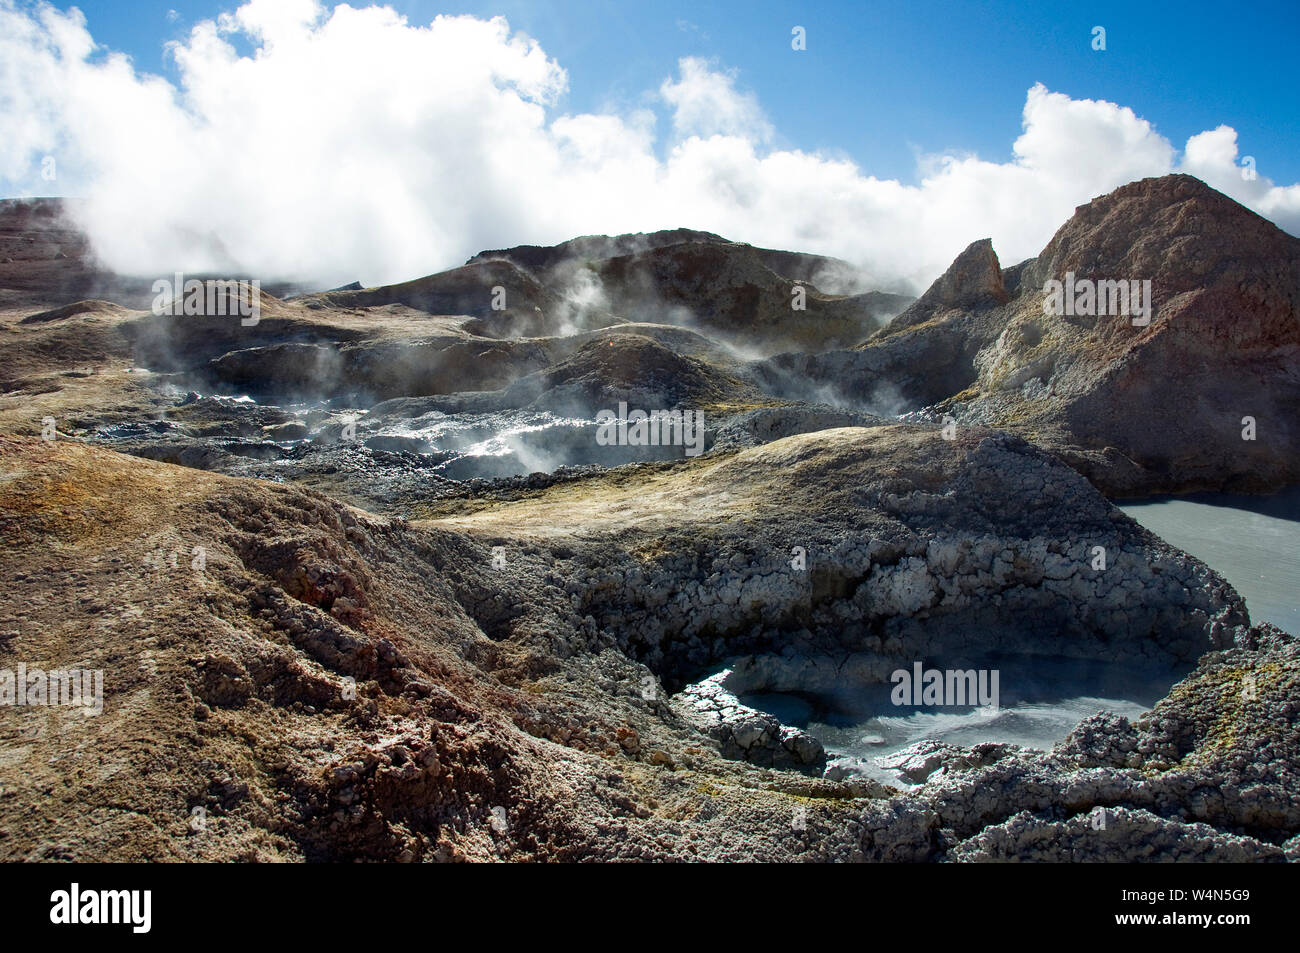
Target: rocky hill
(375, 577)
(1139, 408)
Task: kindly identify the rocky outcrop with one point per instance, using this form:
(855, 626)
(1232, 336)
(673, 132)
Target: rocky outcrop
(878, 539)
(973, 282)
(1202, 397)
(1173, 397)
(745, 733)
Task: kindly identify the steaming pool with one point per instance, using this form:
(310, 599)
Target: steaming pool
(1253, 542)
(1039, 701)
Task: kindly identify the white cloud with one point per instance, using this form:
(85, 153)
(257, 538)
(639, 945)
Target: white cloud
(1212, 156)
(353, 144)
(706, 102)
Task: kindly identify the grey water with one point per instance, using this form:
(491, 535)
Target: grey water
(1041, 699)
(1037, 725)
(1253, 542)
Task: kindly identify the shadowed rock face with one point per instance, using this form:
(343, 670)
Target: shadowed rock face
(46, 261)
(44, 258)
(922, 356)
(728, 291)
(904, 556)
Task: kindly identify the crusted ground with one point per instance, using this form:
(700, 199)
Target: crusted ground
(468, 732)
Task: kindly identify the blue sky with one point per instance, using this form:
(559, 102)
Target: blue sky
(881, 82)
(349, 144)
